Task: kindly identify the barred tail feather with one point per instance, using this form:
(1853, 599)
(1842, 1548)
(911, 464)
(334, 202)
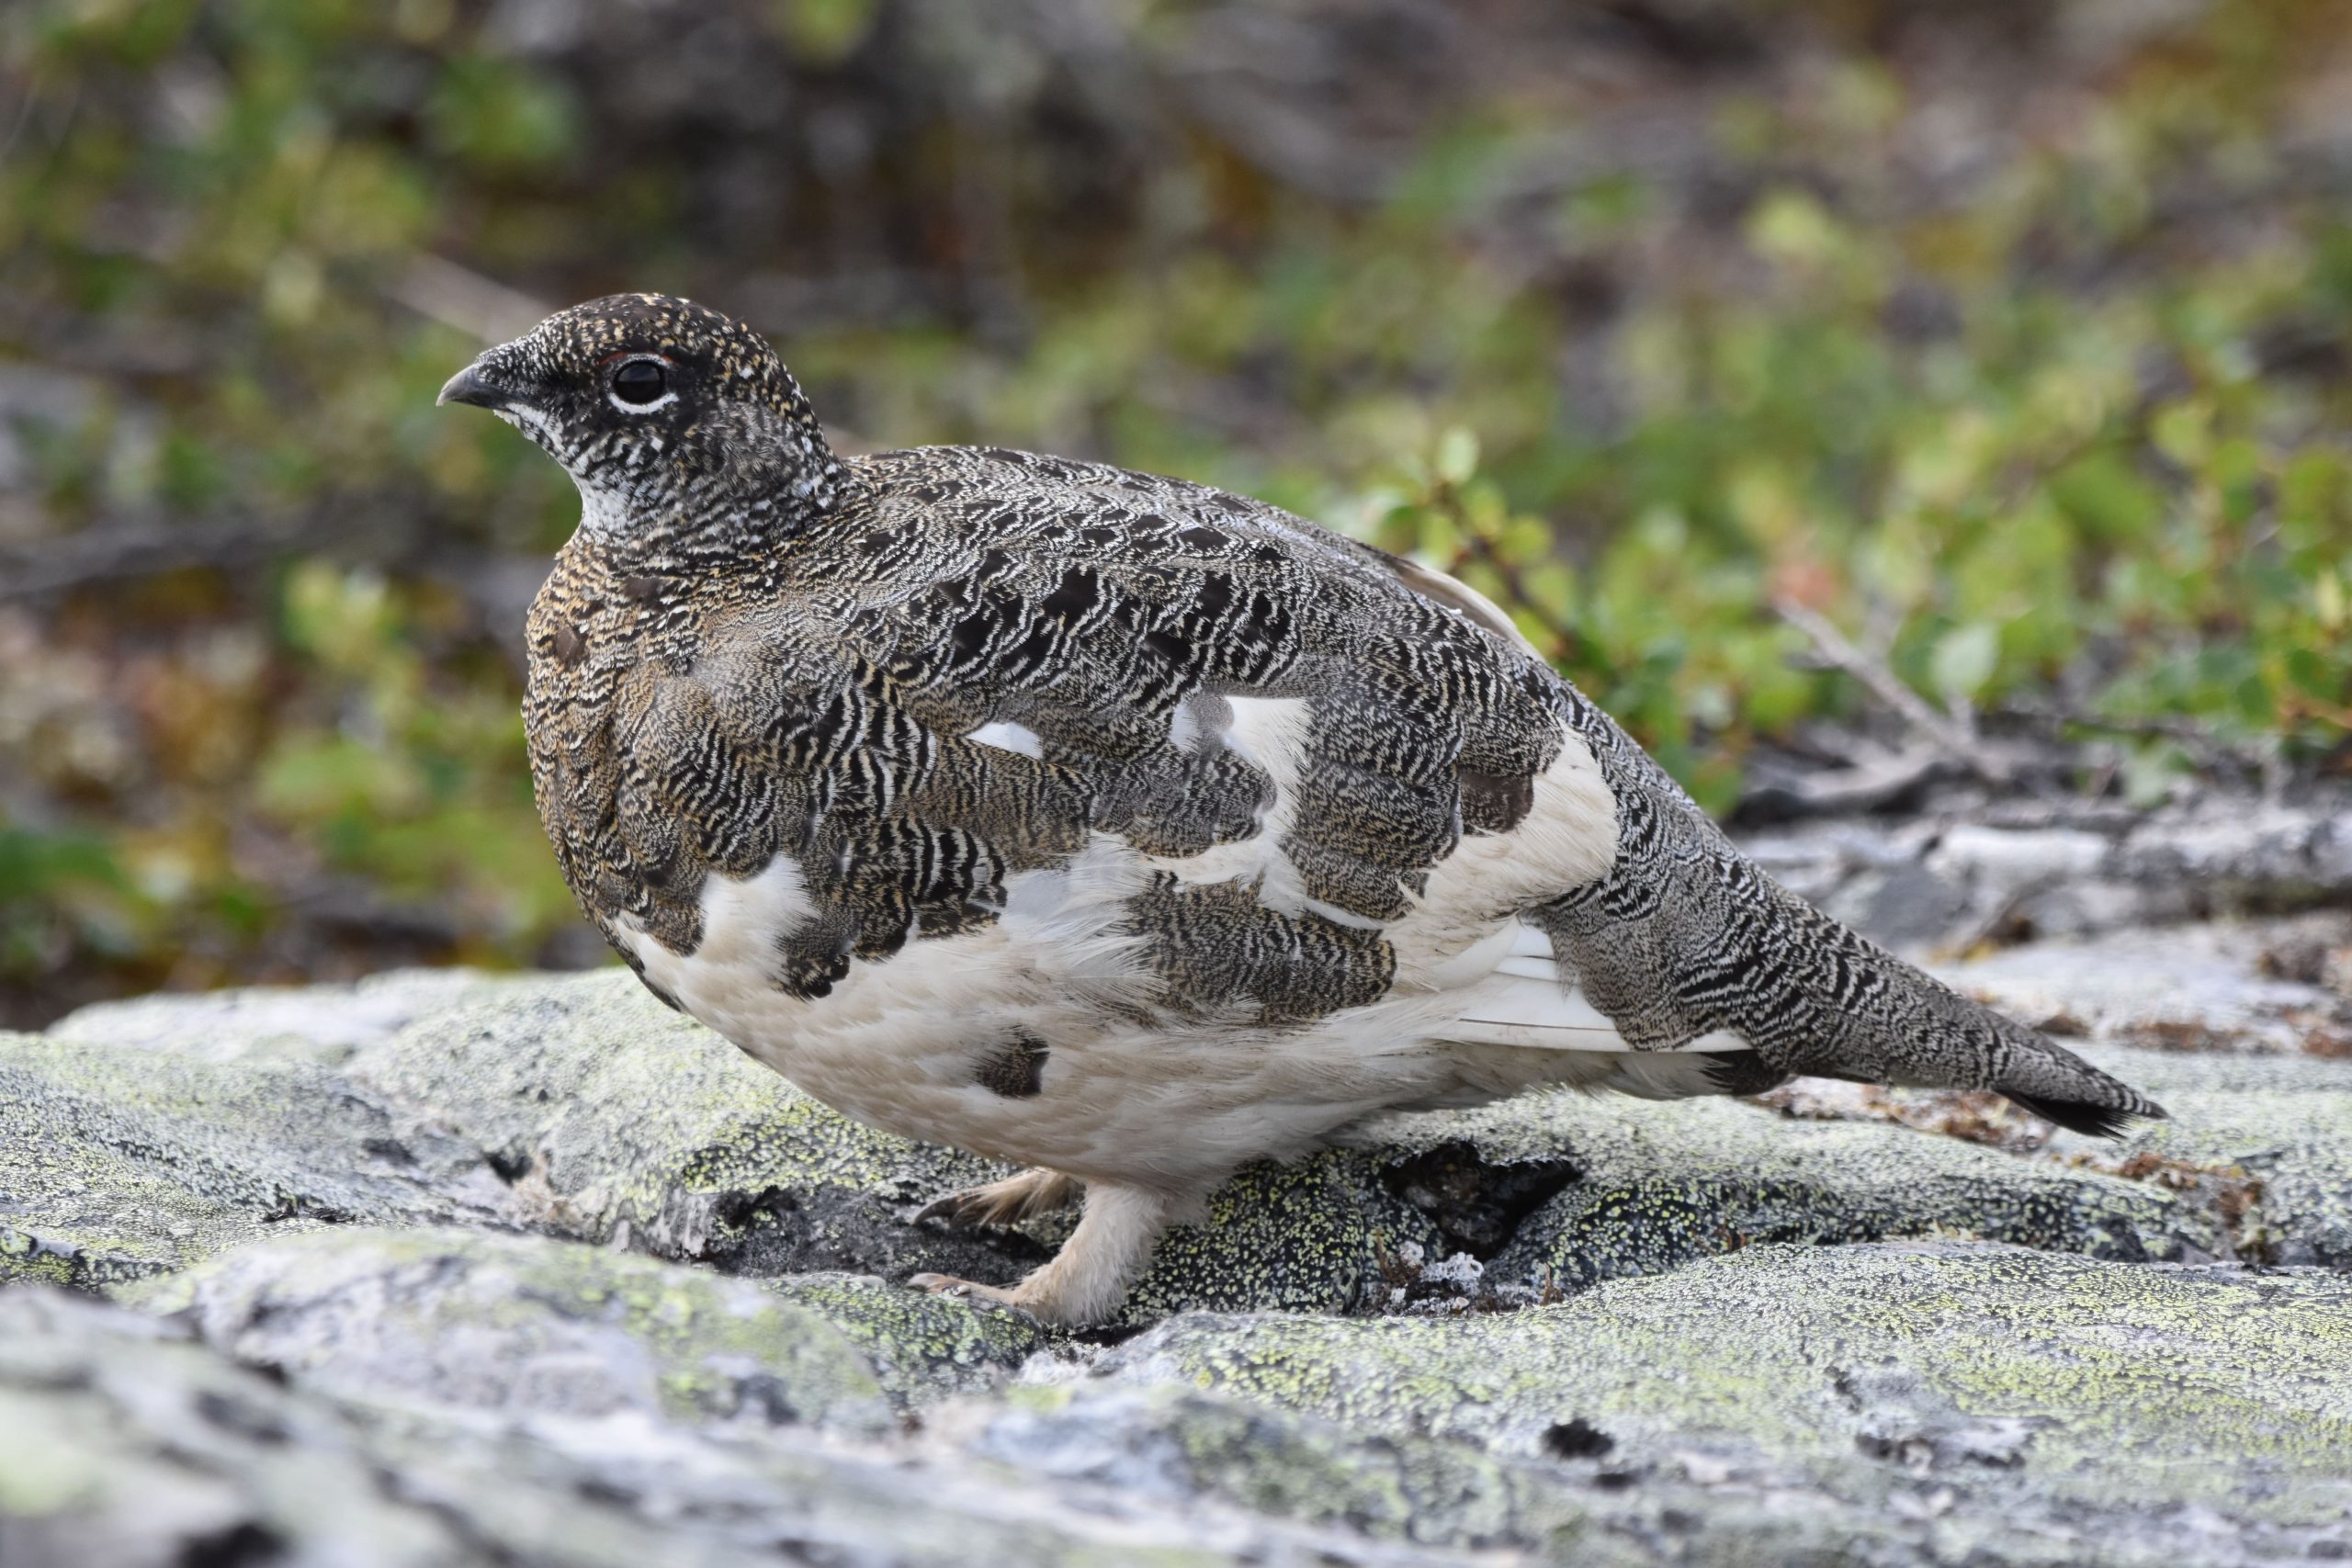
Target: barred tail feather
(1687, 937)
(2083, 1116)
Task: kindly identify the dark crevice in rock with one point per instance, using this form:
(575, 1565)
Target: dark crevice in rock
(771, 1232)
(1108, 1334)
(242, 1545)
(1576, 1439)
(509, 1164)
(1475, 1204)
(247, 1419)
(301, 1206)
(603, 1489)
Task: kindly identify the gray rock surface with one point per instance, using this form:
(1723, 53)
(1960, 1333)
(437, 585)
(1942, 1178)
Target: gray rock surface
(575, 1104)
(119, 1164)
(2068, 868)
(125, 1443)
(1911, 1401)
(523, 1326)
(449, 1267)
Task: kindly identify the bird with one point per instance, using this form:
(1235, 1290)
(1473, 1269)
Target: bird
(1122, 828)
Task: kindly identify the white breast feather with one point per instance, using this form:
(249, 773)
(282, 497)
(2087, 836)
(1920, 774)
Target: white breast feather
(1270, 733)
(1008, 737)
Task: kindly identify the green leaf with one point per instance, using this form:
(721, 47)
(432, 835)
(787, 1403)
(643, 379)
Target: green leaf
(1457, 455)
(1965, 658)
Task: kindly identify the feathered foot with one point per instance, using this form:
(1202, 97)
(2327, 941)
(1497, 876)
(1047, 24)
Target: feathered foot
(1089, 1276)
(1000, 1203)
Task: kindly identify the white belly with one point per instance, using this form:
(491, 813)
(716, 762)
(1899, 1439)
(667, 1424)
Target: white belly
(1131, 1090)
(1123, 1094)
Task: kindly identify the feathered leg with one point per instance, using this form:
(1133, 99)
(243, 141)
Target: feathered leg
(1089, 1276)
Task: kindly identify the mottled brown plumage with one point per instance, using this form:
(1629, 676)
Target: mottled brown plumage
(1118, 825)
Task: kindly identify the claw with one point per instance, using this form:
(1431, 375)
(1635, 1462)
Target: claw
(967, 1290)
(959, 1210)
(1002, 1203)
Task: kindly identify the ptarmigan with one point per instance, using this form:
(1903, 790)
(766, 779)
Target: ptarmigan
(1120, 827)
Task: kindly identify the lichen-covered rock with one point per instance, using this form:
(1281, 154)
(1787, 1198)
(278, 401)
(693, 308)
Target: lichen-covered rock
(1311, 1236)
(1978, 1402)
(1172, 1440)
(522, 1325)
(2257, 1155)
(620, 1120)
(920, 1345)
(1575, 1505)
(573, 1103)
(358, 1215)
(122, 1442)
(579, 1104)
(116, 1165)
(2283, 1124)
(1658, 1185)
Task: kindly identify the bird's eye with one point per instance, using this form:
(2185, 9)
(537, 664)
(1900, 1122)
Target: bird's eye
(640, 381)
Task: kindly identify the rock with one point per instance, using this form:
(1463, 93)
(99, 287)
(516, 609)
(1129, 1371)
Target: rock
(1305, 1237)
(522, 1325)
(2201, 989)
(2279, 1131)
(1896, 1403)
(619, 1120)
(123, 1442)
(310, 1024)
(443, 1267)
(1169, 1440)
(920, 1345)
(1659, 1186)
(576, 1104)
(120, 1163)
(2069, 868)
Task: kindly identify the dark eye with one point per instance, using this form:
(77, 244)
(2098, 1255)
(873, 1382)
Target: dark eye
(640, 381)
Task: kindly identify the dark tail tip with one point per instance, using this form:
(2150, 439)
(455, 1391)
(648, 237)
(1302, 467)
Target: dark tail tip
(2089, 1116)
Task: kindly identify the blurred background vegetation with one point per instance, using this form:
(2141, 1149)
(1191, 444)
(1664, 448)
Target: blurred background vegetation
(1996, 350)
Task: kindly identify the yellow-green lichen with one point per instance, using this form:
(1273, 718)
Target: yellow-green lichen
(476, 1317)
(921, 1345)
(2132, 1379)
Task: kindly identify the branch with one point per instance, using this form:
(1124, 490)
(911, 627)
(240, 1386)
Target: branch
(1565, 642)
(1955, 739)
(2210, 748)
(150, 547)
(441, 291)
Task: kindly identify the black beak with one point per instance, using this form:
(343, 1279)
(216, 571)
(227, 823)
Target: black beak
(471, 386)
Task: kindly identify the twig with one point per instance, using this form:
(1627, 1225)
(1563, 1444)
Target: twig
(123, 552)
(1954, 737)
(2208, 748)
(1565, 642)
(1988, 927)
(438, 289)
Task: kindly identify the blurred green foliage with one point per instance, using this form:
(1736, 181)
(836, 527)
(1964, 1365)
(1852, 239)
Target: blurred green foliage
(2029, 373)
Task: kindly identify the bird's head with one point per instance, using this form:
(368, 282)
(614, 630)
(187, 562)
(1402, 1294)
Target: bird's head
(672, 419)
